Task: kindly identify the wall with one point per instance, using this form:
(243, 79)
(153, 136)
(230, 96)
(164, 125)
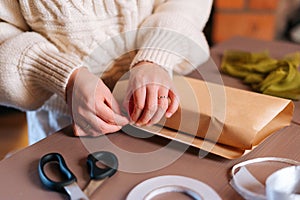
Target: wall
(250, 18)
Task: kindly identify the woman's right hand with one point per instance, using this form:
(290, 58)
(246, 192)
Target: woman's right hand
(93, 107)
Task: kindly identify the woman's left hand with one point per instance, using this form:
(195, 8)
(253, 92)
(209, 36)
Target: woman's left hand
(150, 94)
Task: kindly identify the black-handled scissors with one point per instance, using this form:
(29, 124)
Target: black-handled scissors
(69, 185)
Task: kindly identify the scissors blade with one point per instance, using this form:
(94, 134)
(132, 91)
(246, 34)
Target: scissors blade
(92, 186)
(75, 192)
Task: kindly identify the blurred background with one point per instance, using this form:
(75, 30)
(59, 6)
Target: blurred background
(262, 19)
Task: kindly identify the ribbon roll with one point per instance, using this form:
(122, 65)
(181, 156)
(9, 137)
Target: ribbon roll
(283, 184)
(156, 186)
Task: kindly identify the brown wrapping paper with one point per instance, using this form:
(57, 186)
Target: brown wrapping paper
(218, 119)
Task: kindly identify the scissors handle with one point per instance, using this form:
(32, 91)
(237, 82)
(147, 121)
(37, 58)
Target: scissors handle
(55, 185)
(106, 158)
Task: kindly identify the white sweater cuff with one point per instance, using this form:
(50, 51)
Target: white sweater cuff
(43, 67)
(159, 46)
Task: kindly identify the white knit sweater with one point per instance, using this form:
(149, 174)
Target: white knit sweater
(43, 41)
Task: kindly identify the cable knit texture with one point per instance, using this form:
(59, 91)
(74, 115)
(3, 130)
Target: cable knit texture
(45, 41)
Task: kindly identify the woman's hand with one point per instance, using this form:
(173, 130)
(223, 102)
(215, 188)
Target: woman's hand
(93, 107)
(150, 94)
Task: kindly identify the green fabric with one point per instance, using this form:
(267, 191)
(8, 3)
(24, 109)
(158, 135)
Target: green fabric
(277, 77)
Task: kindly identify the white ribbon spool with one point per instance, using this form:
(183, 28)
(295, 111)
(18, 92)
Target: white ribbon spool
(153, 187)
(283, 184)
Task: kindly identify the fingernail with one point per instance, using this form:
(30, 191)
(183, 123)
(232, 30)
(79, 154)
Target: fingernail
(138, 124)
(168, 115)
(149, 124)
(126, 120)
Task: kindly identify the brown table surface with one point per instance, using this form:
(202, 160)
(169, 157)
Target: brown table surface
(19, 175)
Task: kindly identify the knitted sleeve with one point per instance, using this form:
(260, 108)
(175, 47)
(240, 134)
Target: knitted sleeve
(173, 35)
(31, 68)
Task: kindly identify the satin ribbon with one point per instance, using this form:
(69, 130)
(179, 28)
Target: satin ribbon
(283, 184)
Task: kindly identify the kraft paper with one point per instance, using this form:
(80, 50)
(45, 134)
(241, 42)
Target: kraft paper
(225, 121)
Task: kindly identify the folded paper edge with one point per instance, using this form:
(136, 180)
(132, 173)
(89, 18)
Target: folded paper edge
(286, 115)
(200, 143)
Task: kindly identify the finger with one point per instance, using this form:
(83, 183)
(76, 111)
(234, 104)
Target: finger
(150, 105)
(127, 106)
(88, 123)
(82, 127)
(106, 114)
(79, 131)
(174, 104)
(162, 106)
(112, 103)
(139, 96)
(108, 97)
(94, 127)
(105, 128)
